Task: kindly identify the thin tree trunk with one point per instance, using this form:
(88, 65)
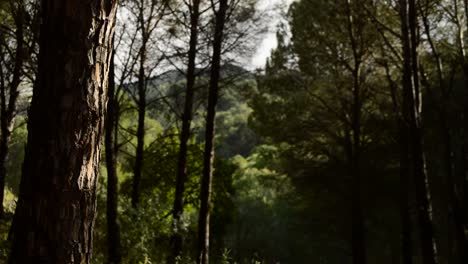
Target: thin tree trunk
(453, 204)
(459, 190)
(412, 116)
(56, 208)
(358, 246)
(358, 237)
(181, 176)
(357, 214)
(455, 212)
(8, 110)
(141, 124)
(209, 154)
(113, 228)
(406, 245)
(460, 225)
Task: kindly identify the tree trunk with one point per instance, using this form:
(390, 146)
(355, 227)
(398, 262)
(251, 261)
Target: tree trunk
(113, 228)
(459, 192)
(8, 110)
(208, 157)
(412, 116)
(358, 242)
(406, 245)
(459, 189)
(456, 217)
(447, 153)
(358, 237)
(181, 176)
(141, 123)
(56, 208)
(358, 226)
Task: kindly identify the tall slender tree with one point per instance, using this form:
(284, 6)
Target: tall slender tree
(345, 51)
(141, 102)
(148, 15)
(112, 144)
(457, 12)
(181, 177)
(56, 207)
(412, 114)
(406, 247)
(355, 28)
(441, 90)
(209, 154)
(9, 89)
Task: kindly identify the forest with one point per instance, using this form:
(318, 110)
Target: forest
(140, 131)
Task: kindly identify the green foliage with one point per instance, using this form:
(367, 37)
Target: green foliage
(4, 243)
(13, 164)
(145, 232)
(305, 111)
(265, 202)
(15, 157)
(234, 136)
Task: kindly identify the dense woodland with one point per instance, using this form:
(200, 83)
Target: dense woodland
(136, 131)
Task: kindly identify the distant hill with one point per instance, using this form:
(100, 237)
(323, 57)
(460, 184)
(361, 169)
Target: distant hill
(175, 76)
(235, 137)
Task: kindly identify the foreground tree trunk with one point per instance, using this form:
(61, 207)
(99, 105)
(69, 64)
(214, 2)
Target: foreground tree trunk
(181, 176)
(113, 229)
(9, 98)
(57, 202)
(412, 110)
(208, 157)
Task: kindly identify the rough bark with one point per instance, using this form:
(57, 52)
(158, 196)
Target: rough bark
(209, 153)
(181, 176)
(55, 212)
(9, 98)
(113, 228)
(412, 116)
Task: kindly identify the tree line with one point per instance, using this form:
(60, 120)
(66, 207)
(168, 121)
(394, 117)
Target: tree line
(368, 75)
